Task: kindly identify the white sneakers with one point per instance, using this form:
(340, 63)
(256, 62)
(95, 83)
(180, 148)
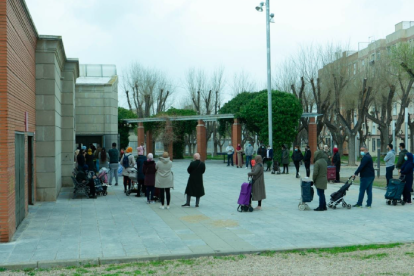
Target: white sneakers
(162, 207)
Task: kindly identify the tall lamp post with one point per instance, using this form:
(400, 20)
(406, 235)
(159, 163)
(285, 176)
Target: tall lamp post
(269, 19)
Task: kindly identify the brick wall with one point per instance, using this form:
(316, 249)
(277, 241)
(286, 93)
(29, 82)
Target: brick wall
(17, 95)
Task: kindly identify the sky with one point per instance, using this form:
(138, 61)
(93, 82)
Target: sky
(176, 35)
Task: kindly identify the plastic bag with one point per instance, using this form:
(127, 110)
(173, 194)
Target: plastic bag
(120, 169)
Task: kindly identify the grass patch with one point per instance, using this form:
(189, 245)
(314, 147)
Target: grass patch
(82, 270)
(2, 269)
(151, 271)
(411, 254)
(90, 265)
(241, 257)
(187, 262)
(225, 258)
(267, 253)
(374, 256)
(137, 272)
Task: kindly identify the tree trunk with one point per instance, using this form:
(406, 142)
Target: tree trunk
(411, 126)
(385, 138)
(351, 150)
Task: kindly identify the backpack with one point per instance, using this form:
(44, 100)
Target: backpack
(125, 161)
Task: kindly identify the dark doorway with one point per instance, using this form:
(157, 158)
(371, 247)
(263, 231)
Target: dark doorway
(87, 140)
(30, 170)
(20, 178)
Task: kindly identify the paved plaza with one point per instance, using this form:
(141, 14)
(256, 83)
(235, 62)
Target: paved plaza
(120, 226)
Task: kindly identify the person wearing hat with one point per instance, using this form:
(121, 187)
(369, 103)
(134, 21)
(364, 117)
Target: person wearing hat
(131, 164)
(89, 160)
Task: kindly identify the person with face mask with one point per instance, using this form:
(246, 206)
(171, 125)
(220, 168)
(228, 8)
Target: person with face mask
(389, 163)
(297, 156)
(407, 172)
(230, 152)
(307, 160)
(328, 155)
(269, 157)
(249, 154)
(285, 159)
(367, 175)
(403, 152)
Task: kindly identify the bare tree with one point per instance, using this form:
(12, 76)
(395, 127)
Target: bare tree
(242, 82)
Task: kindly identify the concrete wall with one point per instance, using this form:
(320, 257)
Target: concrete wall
(55, 80)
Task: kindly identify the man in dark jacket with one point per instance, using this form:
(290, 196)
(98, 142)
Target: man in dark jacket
(401, 156)
(268, 157)
(140, 174)
(113, 164)
(285, 159)
(307, 160)
(366, 169)
(195, 185)
(336, 161)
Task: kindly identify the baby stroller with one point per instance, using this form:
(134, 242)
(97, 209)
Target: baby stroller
(103, 177)
(307, 193)
(276, 167)
(338, 197)
(394, 191)
(244, 197)
(132, 174)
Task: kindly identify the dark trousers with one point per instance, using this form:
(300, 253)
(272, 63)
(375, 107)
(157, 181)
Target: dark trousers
(388, 173)
(167, 191)
(91, 185)
(322, 200)
(230, 159)
(297, 167)
(149, 190)
(407, 192)
(127, 183)
(141, 187)
(285, 167)
(189, 199)
(248, 161)
(365, 185)
(307, 167)
(337, 175)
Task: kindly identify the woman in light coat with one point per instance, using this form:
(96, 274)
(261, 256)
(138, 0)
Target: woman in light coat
(125, 171)
(164, 178)
(258, 189)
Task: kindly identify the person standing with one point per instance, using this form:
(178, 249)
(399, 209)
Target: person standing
(366, 169)
(269, 157)
(113, 164)
(258, 189)
(297, 156)
(81, 160)
(103, 158)
(164, 178)
(140, 174)
(336, 161)
(328, 155)
(96, 157)
(401, 156)
(249, 154)
(230, 152)
(239, 156)
(320, 179)
(389, 163)
(89, 160)
(307, 160)
(127, 161)
(407, 172)
(262, 151)
(285, 159)
(141, 149)
(195, 186)
(149, 171)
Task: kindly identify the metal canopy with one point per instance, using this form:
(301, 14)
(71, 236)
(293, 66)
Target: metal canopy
(205, 118)
(310, 115)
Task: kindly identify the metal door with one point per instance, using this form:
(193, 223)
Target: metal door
(20, 178)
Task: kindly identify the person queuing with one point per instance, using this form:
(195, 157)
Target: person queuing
(336, 161)
(140, 173)
(82, 177)
(81, 159)
(389, 163)
(164, 179)
(89, 160)
(239, 156)
(113, 164)
(297, 157)
(328, 155)
(249, 154)
(407, 173)
(195, 186)
(127, 161)
(366, 169)
(268, 157)
(103, 159)
(230, 152)
(149, 171)
(307, 160)
(320, 178)
(285, 159)
(258, 189)
(401, 156)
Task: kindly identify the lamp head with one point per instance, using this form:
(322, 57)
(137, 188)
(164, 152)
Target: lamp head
(259, 9)
(271, 18)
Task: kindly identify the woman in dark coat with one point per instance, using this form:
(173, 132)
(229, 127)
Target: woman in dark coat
(140, 174)
(407, 171)
(81, 159)
(195, 185)
(149, 171)
(307, 160)
(89, 160)
(336, 161)
(297, 156)
(285, 159)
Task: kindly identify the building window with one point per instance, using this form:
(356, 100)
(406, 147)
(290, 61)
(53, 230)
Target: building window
(373, 144)
(374, 129)
(354, 68)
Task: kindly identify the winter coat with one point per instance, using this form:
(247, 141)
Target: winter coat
(164, 177)
(262, 152)
(401, 160)
(89, 162)
(407, 170)
(81, 160)
(366, 168)
(327, 155)
(336, 161)
(140, 165)
(320, 171)
(249, 150)
(307, 157)
(195, 186)
(149, 171)
(285, 157)
(297, 156)
(258, 189)
(131, 161)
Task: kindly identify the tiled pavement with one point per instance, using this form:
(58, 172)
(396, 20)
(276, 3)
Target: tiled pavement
(120, 226)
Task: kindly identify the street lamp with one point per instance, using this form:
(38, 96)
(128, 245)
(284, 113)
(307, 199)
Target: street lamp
(269, 19)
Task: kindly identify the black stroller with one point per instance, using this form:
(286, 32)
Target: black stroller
(338, 197)
(276, 167)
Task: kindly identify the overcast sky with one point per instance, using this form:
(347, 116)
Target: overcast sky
(175, 35)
